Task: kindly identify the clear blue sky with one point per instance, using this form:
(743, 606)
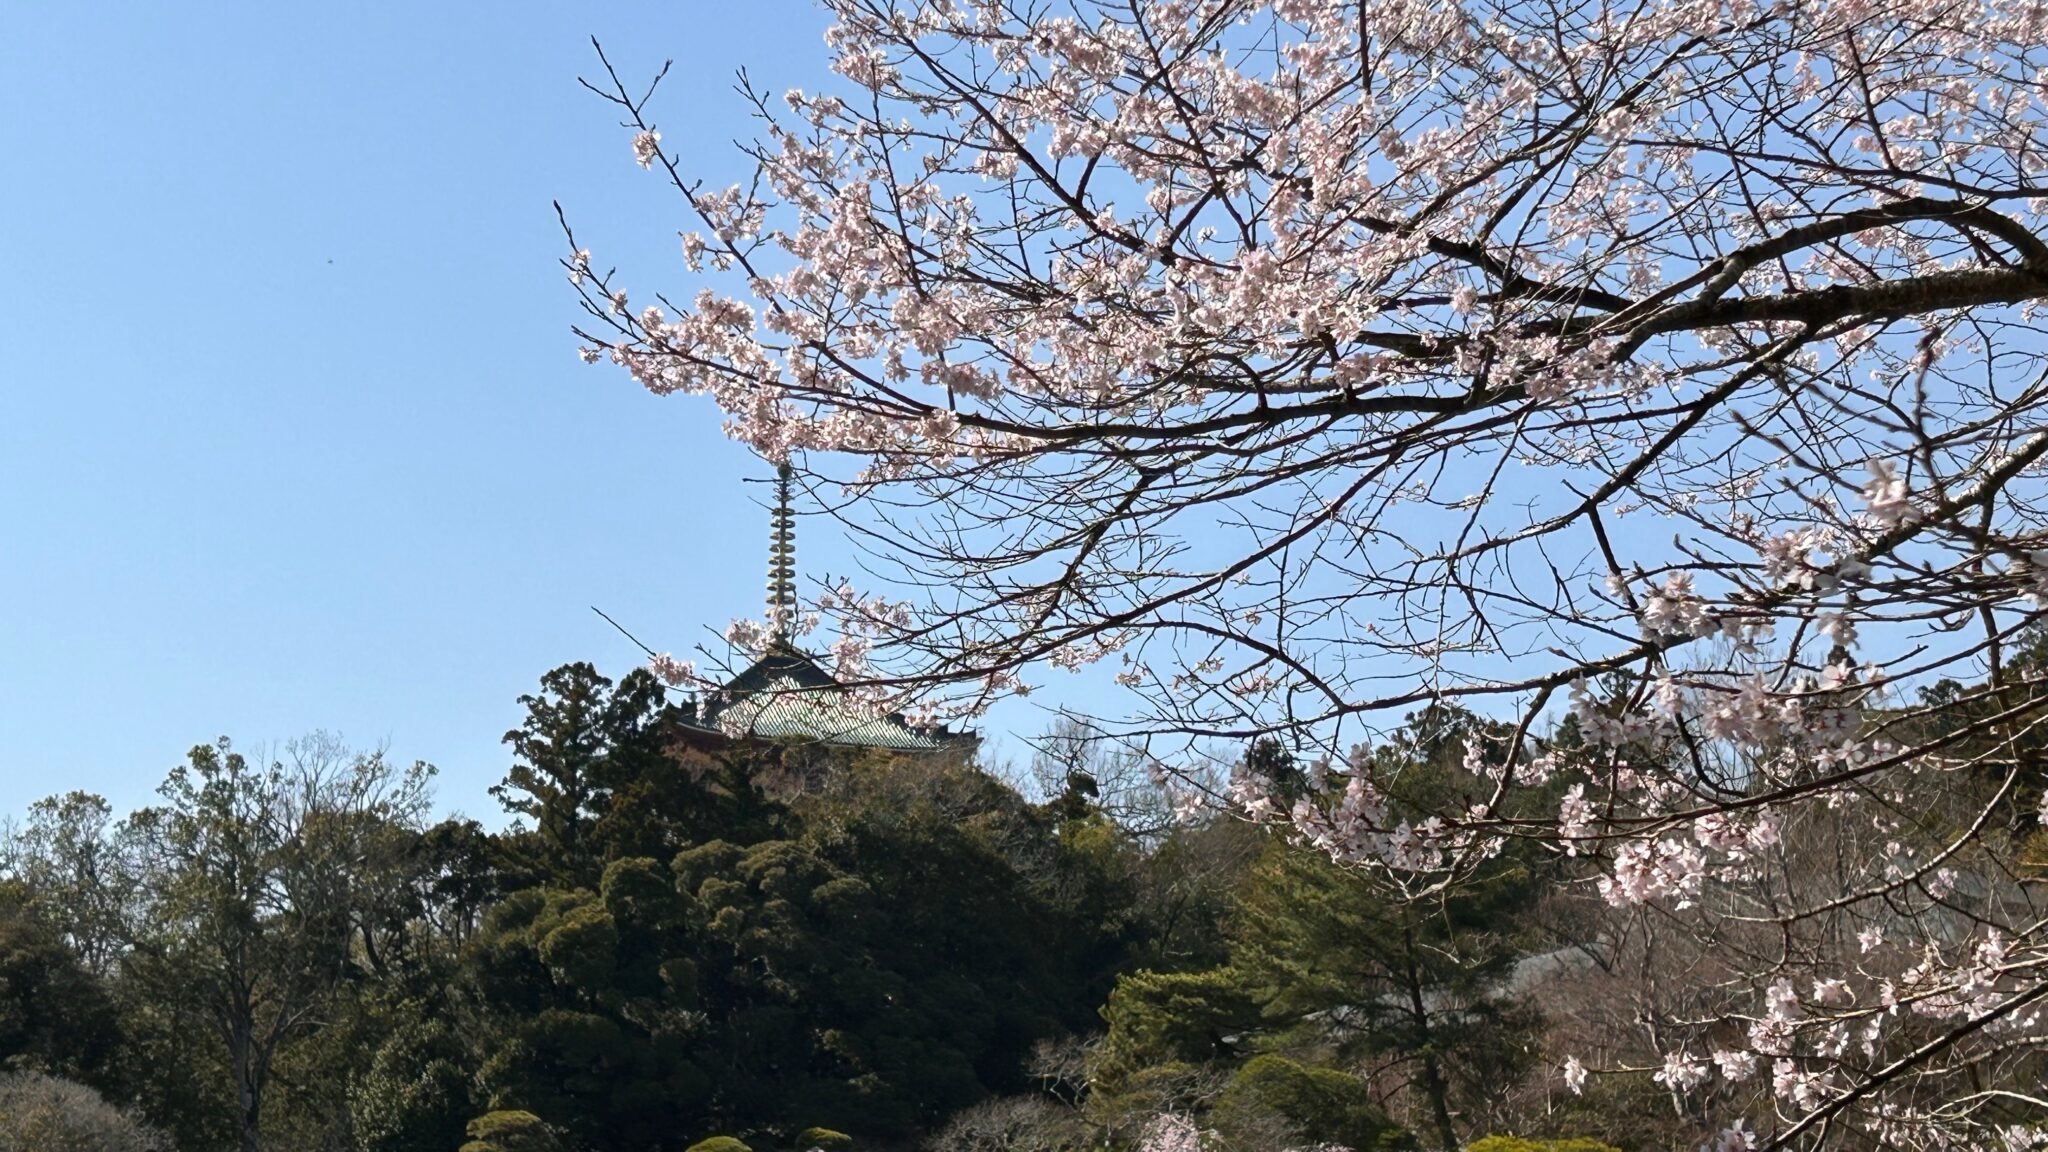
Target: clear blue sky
(294, 434)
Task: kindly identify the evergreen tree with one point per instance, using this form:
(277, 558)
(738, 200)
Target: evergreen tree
(1346, 969)
(56, 1017)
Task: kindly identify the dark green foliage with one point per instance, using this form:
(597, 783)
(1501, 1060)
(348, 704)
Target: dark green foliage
(1383, 980)
(456, 877)
(888, 967)
(55, 1017)
(390, 1070)
(510, 1131)
(598, 776)
(873, 955)
(1330, 968)
(859, 950)
(824, 1140)
(1313, 1105)
(580, 743)
(1175, 1017)
(182, 1087)
(719, 1144)
(415, 1094)
(592, 1000)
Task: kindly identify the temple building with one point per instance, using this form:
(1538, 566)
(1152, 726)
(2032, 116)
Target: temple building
(788, 697)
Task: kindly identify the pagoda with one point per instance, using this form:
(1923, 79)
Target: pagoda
(788, 697)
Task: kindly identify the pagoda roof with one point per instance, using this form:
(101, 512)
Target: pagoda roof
(787, 695)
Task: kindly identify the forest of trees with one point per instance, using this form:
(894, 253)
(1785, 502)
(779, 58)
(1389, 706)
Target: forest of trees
(288, 953)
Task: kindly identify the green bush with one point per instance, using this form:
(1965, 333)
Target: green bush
(1171, 1018)
(415, 1094)
(511, 1131)
(1320, 1105)
(1517, 1144)
(719, 1144)
(824, 1139)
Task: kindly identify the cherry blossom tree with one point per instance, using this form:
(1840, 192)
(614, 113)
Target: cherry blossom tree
(1664, 370)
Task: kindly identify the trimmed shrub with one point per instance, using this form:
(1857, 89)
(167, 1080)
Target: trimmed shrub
(823, 1139)
(719, 1144)
(415, 1095)
(511, 1131)
(41, 1113)
(1320, 1105)
(1171, 1018)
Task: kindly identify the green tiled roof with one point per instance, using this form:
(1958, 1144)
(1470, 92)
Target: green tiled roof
(785, 695)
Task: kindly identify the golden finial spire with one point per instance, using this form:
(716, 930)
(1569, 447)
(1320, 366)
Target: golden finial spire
(782, 561)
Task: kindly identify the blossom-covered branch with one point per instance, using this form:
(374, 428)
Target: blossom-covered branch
(1313, 361)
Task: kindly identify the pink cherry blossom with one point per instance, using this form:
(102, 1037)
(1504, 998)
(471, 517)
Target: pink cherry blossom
(671, 671)
(646, 147)
(1659, 384)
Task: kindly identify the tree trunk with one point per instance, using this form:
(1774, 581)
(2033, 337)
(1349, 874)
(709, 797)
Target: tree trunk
(250, 1105)
(242, 1065)
(1432, 1073)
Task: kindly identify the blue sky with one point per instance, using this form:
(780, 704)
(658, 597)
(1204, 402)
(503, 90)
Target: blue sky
(294, 434)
